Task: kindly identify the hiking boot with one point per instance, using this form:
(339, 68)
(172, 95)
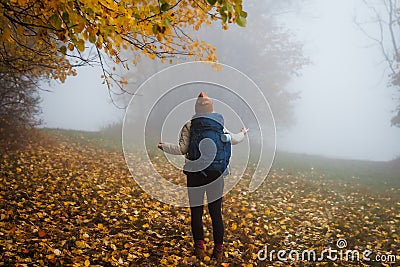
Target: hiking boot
(199, 250)
(217, 254)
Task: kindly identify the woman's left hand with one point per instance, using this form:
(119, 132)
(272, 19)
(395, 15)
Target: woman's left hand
(244, 130)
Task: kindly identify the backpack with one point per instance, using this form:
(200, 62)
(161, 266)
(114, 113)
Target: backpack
(209, 147)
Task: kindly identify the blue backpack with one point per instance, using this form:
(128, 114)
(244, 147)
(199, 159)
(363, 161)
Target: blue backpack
(209, 146)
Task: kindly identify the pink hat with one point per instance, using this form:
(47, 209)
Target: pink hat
(204, 104)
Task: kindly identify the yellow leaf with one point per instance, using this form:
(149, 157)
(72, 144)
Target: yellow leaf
(85, 236)
(233, 226)
(80, 244)
(267, 211)
(87, 263)
(249, 216)
(80, 44)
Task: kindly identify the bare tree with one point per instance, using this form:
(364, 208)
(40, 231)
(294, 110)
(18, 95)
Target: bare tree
(386, 16)
(19, 100)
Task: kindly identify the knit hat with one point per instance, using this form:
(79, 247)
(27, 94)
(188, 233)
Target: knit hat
(204, 104)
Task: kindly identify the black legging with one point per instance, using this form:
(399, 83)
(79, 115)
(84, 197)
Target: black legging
(198, 184)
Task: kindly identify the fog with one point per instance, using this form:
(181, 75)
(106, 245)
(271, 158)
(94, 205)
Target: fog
(345, 106)
(81, 103)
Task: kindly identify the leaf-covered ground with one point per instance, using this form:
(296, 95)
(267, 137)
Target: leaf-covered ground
(67, 202)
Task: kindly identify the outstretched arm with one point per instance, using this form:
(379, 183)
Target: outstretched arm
(182, 147)
(236, 138)
(169, 148)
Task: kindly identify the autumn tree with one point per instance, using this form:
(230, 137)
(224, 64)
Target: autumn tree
(48, 39)
(386, 16)
(63, 34)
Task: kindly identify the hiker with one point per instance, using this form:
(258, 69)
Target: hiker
(208, 178)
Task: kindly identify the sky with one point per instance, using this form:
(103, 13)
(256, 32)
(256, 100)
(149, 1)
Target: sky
(344, 110)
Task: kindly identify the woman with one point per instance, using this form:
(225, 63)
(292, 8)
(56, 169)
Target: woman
(197, 181)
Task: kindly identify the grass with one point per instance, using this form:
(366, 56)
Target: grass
(98, 138)
(369, 173)
(372, 174)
